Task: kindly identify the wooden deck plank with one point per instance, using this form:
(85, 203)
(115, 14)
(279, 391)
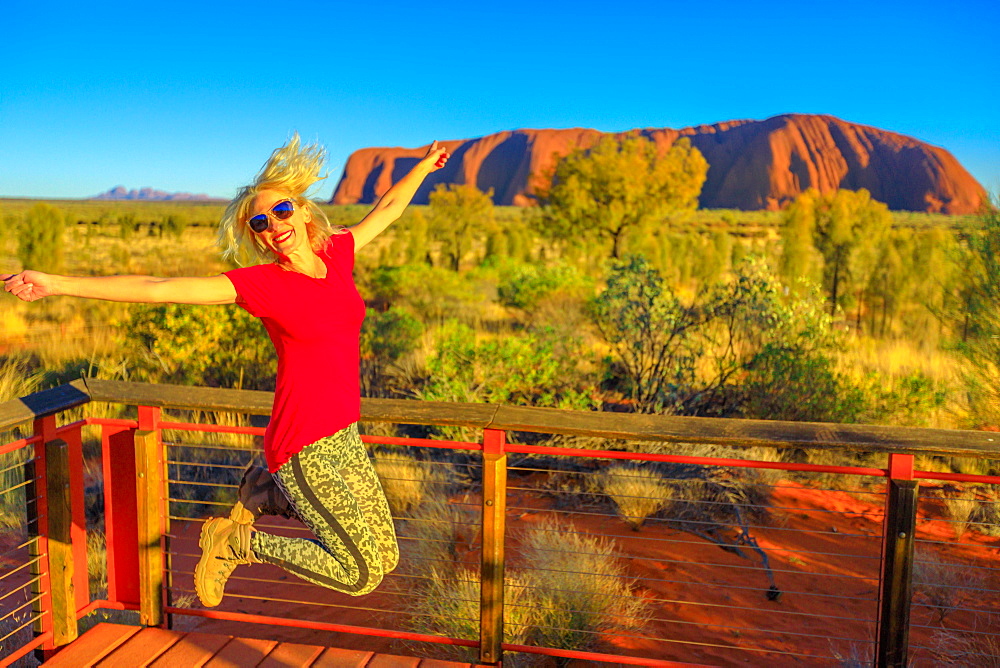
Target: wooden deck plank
(192, 651)
(241, 653)
(92, 646)
(122, 646)
(141, 649)
(390, 661)
(291, 655)
(335, 657)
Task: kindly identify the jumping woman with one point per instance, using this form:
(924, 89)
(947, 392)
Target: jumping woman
(302, 288)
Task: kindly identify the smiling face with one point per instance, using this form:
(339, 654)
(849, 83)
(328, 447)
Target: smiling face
(283, 237)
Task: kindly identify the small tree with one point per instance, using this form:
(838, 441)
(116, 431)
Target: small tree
(619, 186)
(848, 228)
(980, 259)
(459, 214)
(650, 331)
(40, 242)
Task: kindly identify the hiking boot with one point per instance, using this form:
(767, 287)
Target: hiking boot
(259, 495)
(224, 546)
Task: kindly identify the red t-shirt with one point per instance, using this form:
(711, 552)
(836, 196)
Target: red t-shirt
(315, 325)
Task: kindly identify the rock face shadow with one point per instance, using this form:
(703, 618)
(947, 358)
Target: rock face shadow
(505, 169)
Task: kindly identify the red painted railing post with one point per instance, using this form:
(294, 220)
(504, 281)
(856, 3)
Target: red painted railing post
(896, 576)
(491, 609)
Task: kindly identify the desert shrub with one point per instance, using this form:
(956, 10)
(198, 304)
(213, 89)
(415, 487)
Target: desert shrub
(385, 338)
(407, 481)
(200, 345)
(943, 585)
(433, 294)
(174, 224)
(651, 333)
(40, 238)
(524, 286)
(785, 383)
(636, 492)
(534, 368)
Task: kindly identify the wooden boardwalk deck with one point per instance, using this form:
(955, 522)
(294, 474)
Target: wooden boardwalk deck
(119, 646)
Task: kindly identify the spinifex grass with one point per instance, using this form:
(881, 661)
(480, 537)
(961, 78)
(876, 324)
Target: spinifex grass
(636, 492)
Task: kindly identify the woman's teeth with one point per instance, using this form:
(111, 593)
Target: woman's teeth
(283, 237)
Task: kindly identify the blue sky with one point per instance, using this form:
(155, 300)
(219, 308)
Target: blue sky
(193, 97)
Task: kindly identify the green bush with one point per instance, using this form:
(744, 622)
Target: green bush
(219, 346)
(40, 239)
(385, 338)
(433, 294)
(535, 368)
(524, 286)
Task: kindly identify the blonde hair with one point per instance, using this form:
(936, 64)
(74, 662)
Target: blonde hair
(291, 169)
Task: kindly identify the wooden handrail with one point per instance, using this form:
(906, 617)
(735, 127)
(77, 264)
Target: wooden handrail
(627, 426)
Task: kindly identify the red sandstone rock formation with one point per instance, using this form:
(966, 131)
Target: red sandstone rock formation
(752, 164)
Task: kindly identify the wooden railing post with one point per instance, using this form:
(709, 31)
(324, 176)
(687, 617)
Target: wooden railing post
(491, 576)
(60, 543)
(150, 515)
(896, 577)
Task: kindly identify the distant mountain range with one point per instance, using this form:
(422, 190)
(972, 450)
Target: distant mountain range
(151, 194)
(752, 164)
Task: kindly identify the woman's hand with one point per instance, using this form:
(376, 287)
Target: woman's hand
(29, 286)
(436, 158)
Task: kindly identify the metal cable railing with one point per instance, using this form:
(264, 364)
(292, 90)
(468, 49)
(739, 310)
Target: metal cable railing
(23, 584)
(955, 616)
(202, 481)
(630, 554)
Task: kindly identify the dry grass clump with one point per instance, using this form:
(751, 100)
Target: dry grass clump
(449, 605)
(406, 480)
(570, 590)
(955, 648)
(16, 380)
(943, 585)
(580, 589)
(434, 533)
(959, 508)
(637, 493)
(986, 515)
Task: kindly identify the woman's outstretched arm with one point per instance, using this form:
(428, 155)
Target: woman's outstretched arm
(397, 198)
(31, 286)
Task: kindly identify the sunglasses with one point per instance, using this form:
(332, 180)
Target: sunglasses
(283, 210)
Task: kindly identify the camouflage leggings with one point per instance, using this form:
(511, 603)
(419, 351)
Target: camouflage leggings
(333, 487)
